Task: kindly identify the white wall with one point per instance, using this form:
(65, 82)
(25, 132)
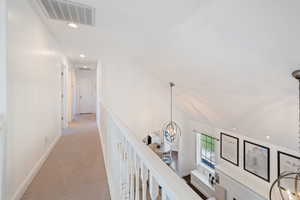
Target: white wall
(142, 103)
(33, 95)
(256, 184)
(3, 24)
(238, 173)
(99, 88)
(187, 153)
(3, 18)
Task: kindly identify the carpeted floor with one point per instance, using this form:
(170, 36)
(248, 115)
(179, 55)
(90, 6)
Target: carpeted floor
(75, 168)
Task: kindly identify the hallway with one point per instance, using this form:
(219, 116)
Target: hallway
(75, 168)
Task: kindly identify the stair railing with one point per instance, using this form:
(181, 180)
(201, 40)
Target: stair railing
(134, 171)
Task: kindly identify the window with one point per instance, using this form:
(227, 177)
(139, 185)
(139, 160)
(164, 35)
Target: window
(206, 150)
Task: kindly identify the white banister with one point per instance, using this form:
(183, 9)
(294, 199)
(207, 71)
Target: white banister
(132, 167)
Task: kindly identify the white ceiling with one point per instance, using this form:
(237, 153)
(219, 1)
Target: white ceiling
(231, 59)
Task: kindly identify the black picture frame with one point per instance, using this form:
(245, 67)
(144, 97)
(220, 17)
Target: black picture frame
(268, 160)
(279, 153)
(238, 149)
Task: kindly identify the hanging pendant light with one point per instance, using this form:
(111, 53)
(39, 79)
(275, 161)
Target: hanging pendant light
(171, 130)
(293, 177)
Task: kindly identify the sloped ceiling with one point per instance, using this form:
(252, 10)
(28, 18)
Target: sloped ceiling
(232, 60)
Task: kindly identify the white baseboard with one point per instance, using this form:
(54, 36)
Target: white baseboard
(23, 187)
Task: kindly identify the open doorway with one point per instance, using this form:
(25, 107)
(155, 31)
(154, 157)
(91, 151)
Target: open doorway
(78, 91)
(66, 93)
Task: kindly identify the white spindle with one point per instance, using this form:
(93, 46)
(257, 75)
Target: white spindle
(137, 178)
(125, 171)
(164, 194)
(121, 168)
(120, 164)
(144, 177)
(131, 173)
(153, 187)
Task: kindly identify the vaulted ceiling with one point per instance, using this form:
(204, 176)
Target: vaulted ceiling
(232, 60)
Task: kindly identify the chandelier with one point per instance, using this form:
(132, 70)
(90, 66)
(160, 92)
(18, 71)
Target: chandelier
(171, 129)
(294, 177)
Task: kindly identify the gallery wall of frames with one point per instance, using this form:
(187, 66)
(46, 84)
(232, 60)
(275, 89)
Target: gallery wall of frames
(254, 163)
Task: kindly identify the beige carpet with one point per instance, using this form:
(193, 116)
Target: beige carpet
(75, 168)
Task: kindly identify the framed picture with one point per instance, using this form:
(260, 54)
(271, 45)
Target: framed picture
(229, 148)
(287, 163)
(257, 160)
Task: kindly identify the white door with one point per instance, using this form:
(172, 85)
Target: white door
(87, 91)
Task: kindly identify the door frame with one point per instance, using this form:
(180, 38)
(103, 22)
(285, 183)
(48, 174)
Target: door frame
(3, 95)
(63, 96)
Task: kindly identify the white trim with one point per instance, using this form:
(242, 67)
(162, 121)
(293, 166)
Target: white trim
(207, 168)
(23, 187)
(64, 92)
(112, 190)
(199, 162)
(3, 138)
(201, 183)
(3, 94)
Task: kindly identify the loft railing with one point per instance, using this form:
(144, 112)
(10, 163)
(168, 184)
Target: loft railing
(134, 171)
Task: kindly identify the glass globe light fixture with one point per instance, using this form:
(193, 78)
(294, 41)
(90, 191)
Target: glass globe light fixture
(171, 129)
(290, 177)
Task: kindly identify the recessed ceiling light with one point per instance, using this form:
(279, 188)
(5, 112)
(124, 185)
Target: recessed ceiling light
(72, 25)
(268, 137)
(82, 56)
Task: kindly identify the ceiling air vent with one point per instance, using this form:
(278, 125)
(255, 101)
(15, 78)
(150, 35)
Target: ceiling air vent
(85, 69)
(69, 11)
